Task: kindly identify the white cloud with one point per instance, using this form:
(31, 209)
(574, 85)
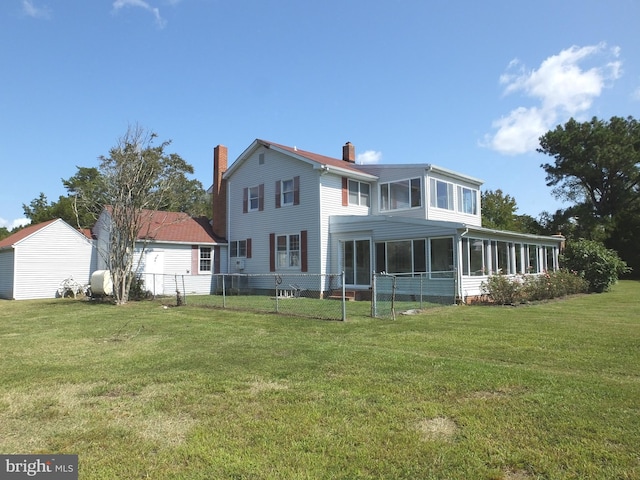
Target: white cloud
(33, 11)
(369, 157)
(11, 224)
(562, 89)
(636, 94)
(120, 4)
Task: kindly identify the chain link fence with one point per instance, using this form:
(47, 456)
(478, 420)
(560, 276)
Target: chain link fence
(411, 293)
(304, 295)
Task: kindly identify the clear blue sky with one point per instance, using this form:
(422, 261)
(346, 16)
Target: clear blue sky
(466, 85)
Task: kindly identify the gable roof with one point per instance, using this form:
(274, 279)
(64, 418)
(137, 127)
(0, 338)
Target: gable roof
(316, 160)
(175, 227)
(26, 232)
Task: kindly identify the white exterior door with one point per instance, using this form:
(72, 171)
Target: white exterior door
(154, 270)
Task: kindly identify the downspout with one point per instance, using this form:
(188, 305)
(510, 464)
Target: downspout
(459, 272)
(228, 225)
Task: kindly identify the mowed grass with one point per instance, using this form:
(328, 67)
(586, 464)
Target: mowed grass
(549, 391)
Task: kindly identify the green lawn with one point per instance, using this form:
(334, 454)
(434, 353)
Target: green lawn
(550, 390)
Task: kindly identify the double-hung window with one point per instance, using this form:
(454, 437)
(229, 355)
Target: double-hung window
(254, 199)
(204, 265)
(288, 251)
(238, 248)
(358, 193)
(402, 194)
(287, 192)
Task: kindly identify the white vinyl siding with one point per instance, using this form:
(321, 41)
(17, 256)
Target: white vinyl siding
(289, 218)
(49, 256)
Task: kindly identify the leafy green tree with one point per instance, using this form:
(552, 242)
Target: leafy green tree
(137, 176)
(597, 163)
(4, 233)
(499, 212)
(40, 210)
(597, 166)
(87, 195)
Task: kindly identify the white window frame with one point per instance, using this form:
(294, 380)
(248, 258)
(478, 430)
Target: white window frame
(253, 199)
(435, 199)
(356, 194)
(205, 257)
(238, 248)
(361, 198)
(463, 207)
(284, 192)
(358, 270)
(288, 258)
(414, 199)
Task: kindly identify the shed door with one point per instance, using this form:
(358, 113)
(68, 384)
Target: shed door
(154, 270)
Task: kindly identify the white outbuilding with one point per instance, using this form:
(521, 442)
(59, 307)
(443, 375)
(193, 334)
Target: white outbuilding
(37, 259)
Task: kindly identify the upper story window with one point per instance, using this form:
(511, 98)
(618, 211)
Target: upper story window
(467, 200)
(401, 194)
(358, 193)
(441, 194)
(205, 259)
(288, 192)
(253, 199)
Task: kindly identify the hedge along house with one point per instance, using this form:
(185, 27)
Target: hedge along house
(291, 211)
(37, 259)
(173, 252)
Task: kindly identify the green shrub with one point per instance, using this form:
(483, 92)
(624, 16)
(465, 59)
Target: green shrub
(509, 290)
(502, 289)
(598, 265)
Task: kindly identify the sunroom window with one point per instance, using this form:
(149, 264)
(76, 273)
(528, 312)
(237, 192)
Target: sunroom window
(441, 194)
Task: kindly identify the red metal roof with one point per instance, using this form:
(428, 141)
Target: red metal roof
(175, 227)
(315, 157)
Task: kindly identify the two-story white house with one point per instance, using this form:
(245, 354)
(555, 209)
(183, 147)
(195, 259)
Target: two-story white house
(287, 210)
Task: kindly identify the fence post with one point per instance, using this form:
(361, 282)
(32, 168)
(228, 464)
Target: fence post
(374, 296)
(393, 297)
(224, 291)
(276, 283)
(421, 282)
(344, 300)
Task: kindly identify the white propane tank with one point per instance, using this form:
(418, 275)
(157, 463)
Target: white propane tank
(101, 283)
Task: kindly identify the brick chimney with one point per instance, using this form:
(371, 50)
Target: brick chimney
(349, 153)
(219, 195)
